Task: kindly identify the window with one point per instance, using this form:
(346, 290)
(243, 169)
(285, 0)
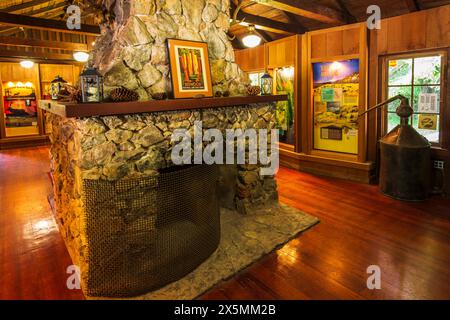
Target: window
(419, 79)
(255, 78)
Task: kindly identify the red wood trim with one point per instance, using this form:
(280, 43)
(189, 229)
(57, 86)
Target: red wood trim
(71, 110)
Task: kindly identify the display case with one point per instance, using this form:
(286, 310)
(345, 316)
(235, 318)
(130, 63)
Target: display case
(21, 122)
(20, 109)
(20, 119)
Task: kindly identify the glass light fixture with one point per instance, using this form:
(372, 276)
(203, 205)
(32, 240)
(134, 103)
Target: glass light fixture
(81, 56)
(27, 64)
(251, 40)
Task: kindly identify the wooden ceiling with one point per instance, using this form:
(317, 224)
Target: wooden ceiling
(39, 25)
(298, 16)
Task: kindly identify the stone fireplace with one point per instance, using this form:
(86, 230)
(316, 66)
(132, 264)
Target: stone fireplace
(132, 52)
(132, 220)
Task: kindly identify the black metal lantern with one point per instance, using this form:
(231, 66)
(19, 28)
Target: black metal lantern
(266, 84)
(56, 86)
(91, 82)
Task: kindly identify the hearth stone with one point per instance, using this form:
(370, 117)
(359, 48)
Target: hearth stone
(117, 150)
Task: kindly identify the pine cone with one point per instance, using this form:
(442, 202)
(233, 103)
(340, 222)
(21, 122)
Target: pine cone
(123, 95)
(69, 93)
(253, 90)
(159, 95)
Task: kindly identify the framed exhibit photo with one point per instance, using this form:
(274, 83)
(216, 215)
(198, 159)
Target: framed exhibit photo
(189, 69)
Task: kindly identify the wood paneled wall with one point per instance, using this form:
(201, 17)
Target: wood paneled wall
(411, 33)
(251, 59)
(339, 42)
(416, 31)
(281, 52)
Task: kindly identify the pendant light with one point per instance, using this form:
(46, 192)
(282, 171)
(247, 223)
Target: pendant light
(252, 39)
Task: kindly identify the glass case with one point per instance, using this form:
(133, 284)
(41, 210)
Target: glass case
(20, 108)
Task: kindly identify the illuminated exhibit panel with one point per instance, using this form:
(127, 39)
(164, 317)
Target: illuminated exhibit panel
(284, 84)
(20, 109)
(335, 102)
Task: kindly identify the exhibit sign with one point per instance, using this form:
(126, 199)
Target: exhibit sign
(335, 103)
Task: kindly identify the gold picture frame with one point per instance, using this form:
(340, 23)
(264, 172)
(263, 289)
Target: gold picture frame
(189, 69)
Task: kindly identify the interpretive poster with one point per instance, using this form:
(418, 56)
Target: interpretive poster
(335, 101)
(428, 103)
(428, 121)
(284, 84)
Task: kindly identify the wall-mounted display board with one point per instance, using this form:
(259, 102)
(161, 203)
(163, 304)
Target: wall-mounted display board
(283, 60)
(285, 84)
(336, 85)
(335, 105)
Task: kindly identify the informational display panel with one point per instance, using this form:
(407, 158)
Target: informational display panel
(335, 103)
(284, 84)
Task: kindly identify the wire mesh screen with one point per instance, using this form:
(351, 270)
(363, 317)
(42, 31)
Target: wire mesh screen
(143, 233)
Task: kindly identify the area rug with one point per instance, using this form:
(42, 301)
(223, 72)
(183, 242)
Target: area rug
(244, 240)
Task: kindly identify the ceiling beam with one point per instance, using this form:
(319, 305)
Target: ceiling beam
(18, 20)
(37, 55)
(264, 35)
(413, 5)
(266, 24)
(19, 42)
(48, 12)
(308, 10)
(349, 16)
(294, 19)
(23, 5)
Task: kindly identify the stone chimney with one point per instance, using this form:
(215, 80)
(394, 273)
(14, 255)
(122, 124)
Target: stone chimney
(132, 52)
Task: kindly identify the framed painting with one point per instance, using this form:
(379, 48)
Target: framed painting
(189, 69)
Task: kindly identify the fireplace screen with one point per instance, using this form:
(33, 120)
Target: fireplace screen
(146, 232)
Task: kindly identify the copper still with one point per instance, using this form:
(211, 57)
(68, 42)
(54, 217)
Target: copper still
(405, 157)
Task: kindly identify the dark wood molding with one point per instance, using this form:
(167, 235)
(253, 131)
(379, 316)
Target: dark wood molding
(295, 19)
(49, 12)
(73, 110)
(413, 5)
(24, 5)
(20, 42)
(348, 15)
(34, 54)
(18, 20)
(266, 24)
(308, 10)
(264, 35)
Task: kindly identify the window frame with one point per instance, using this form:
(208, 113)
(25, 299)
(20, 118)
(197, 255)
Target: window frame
(443, 113)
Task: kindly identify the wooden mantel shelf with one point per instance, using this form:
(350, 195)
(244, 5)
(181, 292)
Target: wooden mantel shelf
(77, 110)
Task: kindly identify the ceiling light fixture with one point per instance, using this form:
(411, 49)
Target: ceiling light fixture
(252, 39)
(81, 56)
(27, 64)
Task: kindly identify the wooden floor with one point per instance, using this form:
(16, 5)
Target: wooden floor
(359, 227)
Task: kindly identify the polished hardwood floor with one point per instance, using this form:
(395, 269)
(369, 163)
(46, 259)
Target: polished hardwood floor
(410, 242)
